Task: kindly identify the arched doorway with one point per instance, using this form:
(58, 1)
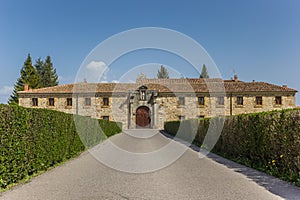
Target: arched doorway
(142, 117)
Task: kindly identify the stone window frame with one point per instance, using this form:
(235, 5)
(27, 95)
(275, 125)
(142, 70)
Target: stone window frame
(105, 101)
(201, 101)
(51, 102)
(88, 101)
(35, 102)
(220, 100)
(259, 100)
(105, 117)
(181, 101)
(240, 100)
(278, 100)
(69, 102)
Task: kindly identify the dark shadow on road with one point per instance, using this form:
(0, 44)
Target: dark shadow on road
(274, 185)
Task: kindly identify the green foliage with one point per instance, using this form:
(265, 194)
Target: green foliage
(204, 73)
(47, 73)
(268, 141)
(162, 72)
(28, 76)
(33, 140)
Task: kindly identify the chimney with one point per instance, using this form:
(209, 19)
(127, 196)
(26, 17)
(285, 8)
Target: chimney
(26, 87)
(284, 86)
(236, 79)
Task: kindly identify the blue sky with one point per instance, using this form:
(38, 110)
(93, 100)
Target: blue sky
(258, 39)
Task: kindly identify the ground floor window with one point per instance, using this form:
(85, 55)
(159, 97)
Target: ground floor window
(105, 118)
(181, 117)
(201, 116)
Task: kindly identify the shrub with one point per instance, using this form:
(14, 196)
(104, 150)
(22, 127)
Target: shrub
(33, 140)
(268, 141)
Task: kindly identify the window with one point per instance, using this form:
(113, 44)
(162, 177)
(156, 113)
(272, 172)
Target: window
(105, 101)
(35, 102)
(69, 102)
(240, 100)
(220, 100)
(143, 95)
(278, 100)
(259, 100)
(87, 101)
(201, 101)
(181, 101)
(201, 116)
(181, 117)
(105, 118)
(51, 101)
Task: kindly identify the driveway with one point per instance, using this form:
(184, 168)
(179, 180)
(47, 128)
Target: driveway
(121, 176)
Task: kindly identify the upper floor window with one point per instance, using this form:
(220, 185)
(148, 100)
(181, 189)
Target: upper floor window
(278, 100)
(35, 102)
(201, 101)
(105, 101)
(240, 100)
(87, 101)
(51, 101)
(220, 100)
(259, 100)
(69, 102)
(181, 101)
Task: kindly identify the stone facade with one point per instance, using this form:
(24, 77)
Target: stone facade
(164, 100)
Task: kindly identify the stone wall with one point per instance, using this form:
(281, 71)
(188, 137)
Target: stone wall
(165, 108)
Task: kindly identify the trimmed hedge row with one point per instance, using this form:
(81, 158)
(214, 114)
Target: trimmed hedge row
(33, 140)
(268, 141)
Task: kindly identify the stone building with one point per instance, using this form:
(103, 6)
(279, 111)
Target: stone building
(149, 103)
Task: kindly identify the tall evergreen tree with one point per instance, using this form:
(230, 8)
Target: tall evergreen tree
(162, 72)
(28, 76)
(204, 73)
(46, 72)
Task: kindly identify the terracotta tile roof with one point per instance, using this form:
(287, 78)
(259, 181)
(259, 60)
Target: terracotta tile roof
(165, 85)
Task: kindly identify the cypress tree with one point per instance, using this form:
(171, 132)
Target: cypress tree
(204, 73)
(28, 76)
(47, 73)
(162, 72)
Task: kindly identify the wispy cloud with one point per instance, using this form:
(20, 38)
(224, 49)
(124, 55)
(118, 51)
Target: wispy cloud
(5, 92)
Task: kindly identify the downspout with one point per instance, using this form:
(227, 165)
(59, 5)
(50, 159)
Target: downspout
(230, 104)
(76, 104)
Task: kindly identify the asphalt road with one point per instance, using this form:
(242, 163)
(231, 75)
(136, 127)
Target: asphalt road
(189, 177)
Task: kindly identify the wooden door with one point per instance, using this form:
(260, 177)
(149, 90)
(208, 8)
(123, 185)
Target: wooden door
(143, 117)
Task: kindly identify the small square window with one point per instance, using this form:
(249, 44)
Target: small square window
(181, 101)
(278, 100)
(220, 100)
(51, 101)
(35, 102)
(87, 101)
(181, 117)
(105, 101)
(240, 100)
(259, 100)
(69, 102)
(105, 118)
(201, 101)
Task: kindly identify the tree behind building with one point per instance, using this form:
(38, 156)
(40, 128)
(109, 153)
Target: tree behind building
(204, 73)
(162, 72)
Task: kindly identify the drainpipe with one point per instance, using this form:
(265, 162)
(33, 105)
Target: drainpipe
(76, 104)
(230, 104)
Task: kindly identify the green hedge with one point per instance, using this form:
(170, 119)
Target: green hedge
(268, 141)
(33, 140)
